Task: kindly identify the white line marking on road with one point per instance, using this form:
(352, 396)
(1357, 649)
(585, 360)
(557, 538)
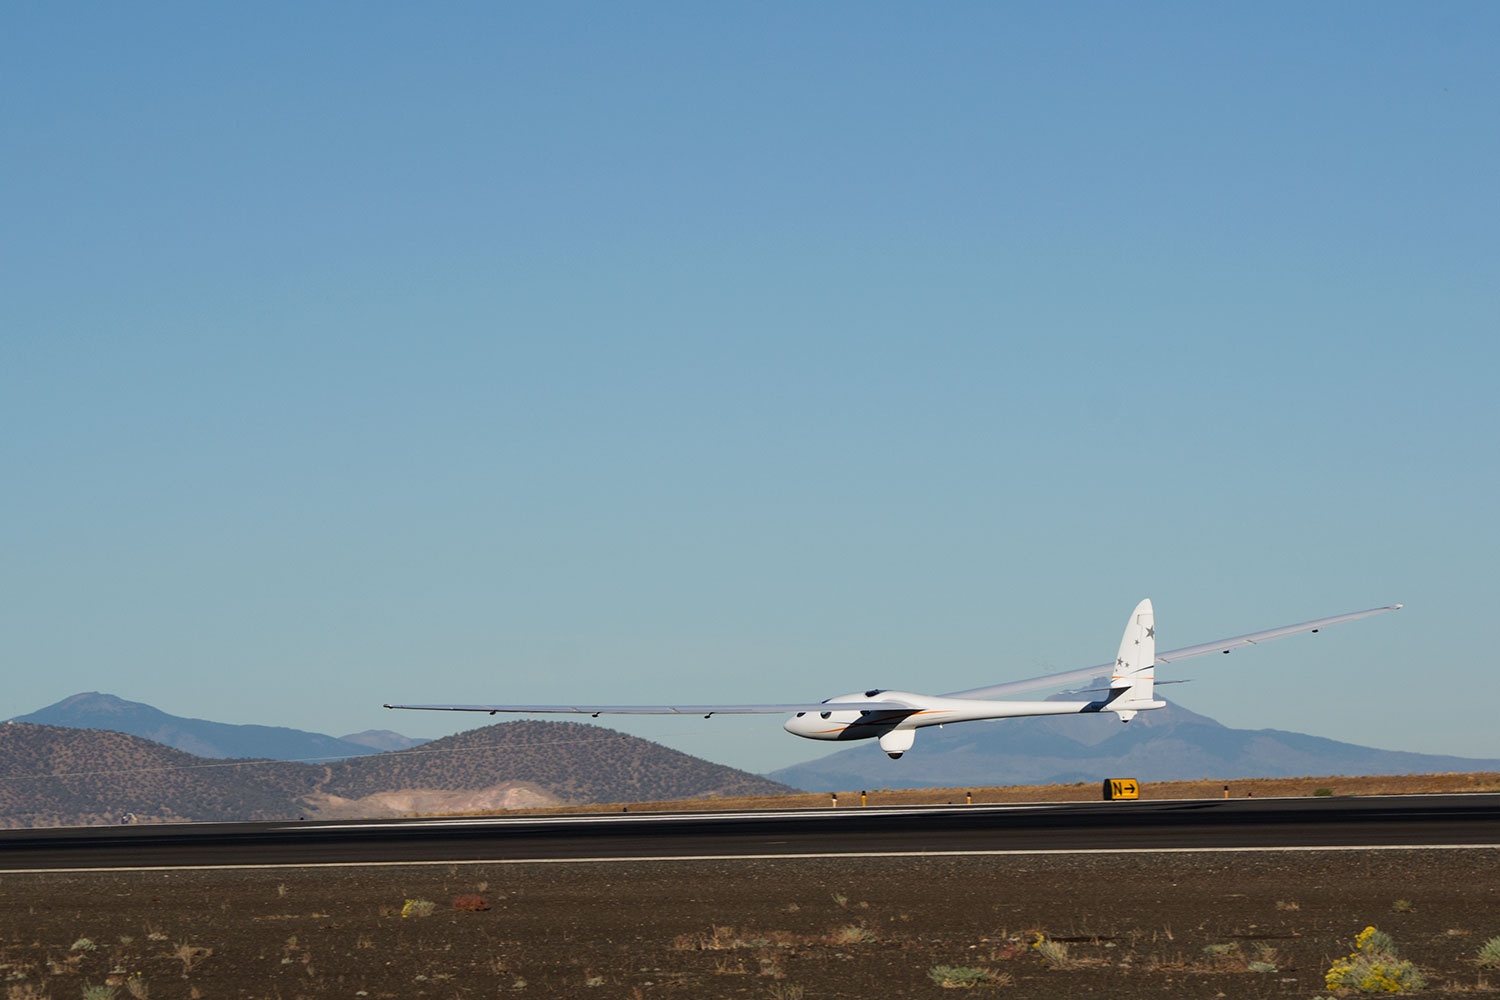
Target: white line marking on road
(679, 858)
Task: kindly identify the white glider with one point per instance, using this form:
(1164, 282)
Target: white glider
(893, 717)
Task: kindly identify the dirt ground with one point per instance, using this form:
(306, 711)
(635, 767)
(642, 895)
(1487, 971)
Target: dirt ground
(1133, 925)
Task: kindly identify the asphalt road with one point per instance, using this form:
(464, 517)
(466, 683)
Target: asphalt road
(1375, 821)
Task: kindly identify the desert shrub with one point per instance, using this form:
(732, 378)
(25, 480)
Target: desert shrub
(418, 908)
(99, 993)
(1266, 958)
(1054, 953)
(83, 944)
(1323, 791)
(1006, 950)
(1489, 953)
(1374, 967)
(723, 938)
(190, 955)
(1225, 956)
(851, 934)
(1376, 942)
(471, 903)
(952, 977)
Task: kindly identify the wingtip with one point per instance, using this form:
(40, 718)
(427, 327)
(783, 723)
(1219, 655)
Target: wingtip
(1397, 607)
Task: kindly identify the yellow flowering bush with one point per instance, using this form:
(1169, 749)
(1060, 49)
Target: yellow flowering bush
(1374, 967)
(1054, 953)
(418, 908)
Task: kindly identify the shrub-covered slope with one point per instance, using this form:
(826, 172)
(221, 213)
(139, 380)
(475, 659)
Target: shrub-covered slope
(58, 776)
(575, 762)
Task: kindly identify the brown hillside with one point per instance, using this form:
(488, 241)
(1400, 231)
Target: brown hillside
(575, 762)
(56, 776)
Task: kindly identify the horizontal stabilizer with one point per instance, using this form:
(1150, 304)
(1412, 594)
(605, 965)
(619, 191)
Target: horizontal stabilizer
(1106, 690)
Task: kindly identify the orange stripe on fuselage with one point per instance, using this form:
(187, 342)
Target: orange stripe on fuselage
(876, 722)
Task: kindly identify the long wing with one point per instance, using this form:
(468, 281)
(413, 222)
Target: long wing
(1086, 674)
(993, 691)
(787, 709)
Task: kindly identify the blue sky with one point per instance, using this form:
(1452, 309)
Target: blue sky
(363, 353)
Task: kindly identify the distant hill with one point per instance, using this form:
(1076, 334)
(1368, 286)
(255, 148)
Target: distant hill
(93, 710)
(60, 776)
(383, 739)
(573, 761)
(1171, 744)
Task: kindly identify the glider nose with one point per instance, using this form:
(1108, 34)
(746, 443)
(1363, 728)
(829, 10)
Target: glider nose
(796, 725)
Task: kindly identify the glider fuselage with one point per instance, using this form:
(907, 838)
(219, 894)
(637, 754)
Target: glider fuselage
(838, 722)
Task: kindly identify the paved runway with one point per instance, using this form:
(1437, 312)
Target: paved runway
(1375, 821)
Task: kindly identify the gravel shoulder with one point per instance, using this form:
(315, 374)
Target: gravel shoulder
(1134, 925)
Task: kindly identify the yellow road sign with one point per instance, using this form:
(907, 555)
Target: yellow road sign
(1122, 788)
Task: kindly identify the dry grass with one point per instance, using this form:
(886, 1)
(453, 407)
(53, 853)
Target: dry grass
(1225, 957)
(190, 955)
(851, 934)
(722, 938)
(725, 938)
(951, 977)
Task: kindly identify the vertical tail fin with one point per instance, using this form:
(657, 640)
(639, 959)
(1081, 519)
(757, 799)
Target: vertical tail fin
(1132, 684)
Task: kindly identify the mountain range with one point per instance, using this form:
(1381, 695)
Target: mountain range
(539, 763)
(92, 710)
(1169, 744)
